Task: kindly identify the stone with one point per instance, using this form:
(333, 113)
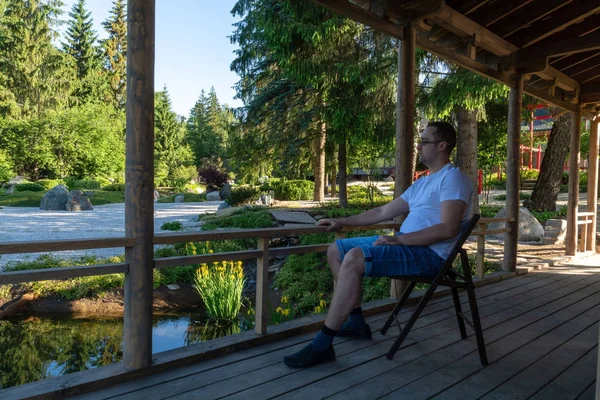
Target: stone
(16, 180)
(292, 216)
(76, 201)
(55, 199)
(265, 200)
(530, 230)
(11, 189)
(227, 211)
(213, 196)
(389, 179)
(225, 191)
(156, 195)
(223, 206)
(173, 287)
(179, 198)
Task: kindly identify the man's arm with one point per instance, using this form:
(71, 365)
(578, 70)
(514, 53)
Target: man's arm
(452, 213)
(373, 216)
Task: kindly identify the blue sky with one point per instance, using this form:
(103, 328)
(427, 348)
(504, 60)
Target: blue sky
(193, 51)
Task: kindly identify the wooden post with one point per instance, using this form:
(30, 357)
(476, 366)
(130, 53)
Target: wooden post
(573, 204)
(515, 104)
(262, 281)
(480, 259)
(139, 184)
(405, 121)
(592, 193)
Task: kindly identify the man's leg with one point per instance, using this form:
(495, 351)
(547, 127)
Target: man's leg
(346, 294)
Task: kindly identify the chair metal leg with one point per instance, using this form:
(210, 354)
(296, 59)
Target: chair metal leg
(411, 321)
(474, 311)
(458, 309)
(398, 307)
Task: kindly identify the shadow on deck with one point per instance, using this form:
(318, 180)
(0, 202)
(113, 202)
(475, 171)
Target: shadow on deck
(541, 333)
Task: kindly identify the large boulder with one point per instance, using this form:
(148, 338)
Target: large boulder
(530, 230)
(225, 191)
(55, 199)
(77, 201)
(213, 196)
(11, 189)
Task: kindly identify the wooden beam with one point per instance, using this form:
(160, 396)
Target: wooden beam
(568, 63)
(589, 75)
(12, 277)
(63, 245)
(573, 202)
(527, 15)
(405, 128)
(457, 23)
(565, 46)
(557, 22)
(582, 28)
(498, 11)
(139, 183)
(515, 106)
(359, 14)
(262, 285)
(592, 189)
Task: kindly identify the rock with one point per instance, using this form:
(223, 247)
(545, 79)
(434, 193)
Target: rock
(530, 230)
(389, 179)
(76, 202)
(555, 231)
(55, 199)
(227, 211)
(528, 204)
(225, 191)
(223, 206)
(156, 195)
(179, 198)
(16, 180)
(11, 189)
(213, 196)
(264, 200)
(173, 287)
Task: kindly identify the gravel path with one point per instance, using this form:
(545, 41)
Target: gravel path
(19, 224)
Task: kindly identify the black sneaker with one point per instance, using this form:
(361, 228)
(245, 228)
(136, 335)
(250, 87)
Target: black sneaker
(308, 357)
(362, 333)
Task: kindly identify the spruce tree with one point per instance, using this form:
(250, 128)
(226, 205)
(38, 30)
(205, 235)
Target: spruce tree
(115, 51)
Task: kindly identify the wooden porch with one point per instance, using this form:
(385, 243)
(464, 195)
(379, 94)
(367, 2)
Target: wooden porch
(541, 332)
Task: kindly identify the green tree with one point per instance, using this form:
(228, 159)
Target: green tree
(115, 51)
(208, 128)
(81, 45)
(39, 76)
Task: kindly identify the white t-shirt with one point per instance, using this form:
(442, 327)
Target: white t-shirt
(424, 198)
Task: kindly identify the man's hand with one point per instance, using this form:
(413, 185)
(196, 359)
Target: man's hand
(388, 240)
(332, 224)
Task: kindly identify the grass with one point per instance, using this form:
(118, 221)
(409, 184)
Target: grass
(171, 226)
(187, 198)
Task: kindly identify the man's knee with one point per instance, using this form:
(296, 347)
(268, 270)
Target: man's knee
(354, 262)
(333, 253)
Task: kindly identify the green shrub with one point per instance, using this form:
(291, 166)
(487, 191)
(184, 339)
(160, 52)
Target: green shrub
(294, 190)
(522, 196)
(244, 219)
(22, 199)
(220, 284)
(114, 187)
(529, 174)
(376, 288)
(187, 198)
(583, 178)
(82, 184)
(171, 226)
(29, 187)
(543, 216)
(6, 167)
(243, 195)
(48, 183)
(194, 188)
(103, 181)
(489, 211)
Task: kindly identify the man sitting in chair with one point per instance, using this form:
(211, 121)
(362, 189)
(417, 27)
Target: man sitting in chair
(436, 204)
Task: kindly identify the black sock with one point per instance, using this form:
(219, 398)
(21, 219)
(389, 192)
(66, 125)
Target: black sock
(324, 338)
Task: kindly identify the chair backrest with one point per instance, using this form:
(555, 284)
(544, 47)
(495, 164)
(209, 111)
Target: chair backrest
(462, 238)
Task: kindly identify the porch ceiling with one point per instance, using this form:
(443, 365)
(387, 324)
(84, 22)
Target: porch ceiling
(555, 44)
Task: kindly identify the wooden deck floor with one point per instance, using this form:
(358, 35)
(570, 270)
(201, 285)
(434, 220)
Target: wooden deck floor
(541, 333)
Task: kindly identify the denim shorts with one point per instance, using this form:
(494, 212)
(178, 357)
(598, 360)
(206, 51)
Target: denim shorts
(391, 260)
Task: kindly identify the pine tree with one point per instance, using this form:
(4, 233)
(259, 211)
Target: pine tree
(207, 129)
(115, 51)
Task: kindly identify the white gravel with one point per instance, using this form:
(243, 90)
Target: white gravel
(20, 224)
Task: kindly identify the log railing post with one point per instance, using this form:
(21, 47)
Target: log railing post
(480, 251)
(139, 184)
(512, 174)
(262, 283)
(405, 120)
(573, 204)
(592, 193)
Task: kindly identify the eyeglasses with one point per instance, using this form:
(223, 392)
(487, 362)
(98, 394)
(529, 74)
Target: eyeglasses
(424, 142)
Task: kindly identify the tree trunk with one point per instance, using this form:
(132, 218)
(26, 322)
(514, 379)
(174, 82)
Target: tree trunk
(342, 166)
(547, 187)
(319, 194)
(466, 149)
(333, 190)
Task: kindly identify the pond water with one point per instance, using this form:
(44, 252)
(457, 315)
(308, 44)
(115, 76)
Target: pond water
(39, 347)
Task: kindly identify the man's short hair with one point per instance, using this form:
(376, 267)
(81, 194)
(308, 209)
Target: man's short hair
(444, 131)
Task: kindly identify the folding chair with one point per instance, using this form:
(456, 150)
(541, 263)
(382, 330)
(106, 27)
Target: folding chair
(446, 277)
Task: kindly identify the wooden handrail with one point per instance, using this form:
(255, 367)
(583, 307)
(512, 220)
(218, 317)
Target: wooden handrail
(62, 245)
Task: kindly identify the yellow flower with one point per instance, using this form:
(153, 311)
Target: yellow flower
(286, 312)
(210, 252)
(317, 309)
(251, 311)
(279, 310)
(323, 303)
(284, 299)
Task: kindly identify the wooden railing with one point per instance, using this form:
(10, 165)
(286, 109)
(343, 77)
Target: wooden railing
(585, 220)
(262, 253)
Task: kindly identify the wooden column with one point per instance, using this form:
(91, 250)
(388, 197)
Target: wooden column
(573, 204)
(262, 283)
(592, 196)
(515, 105)
(139, 184)
(405, 117)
